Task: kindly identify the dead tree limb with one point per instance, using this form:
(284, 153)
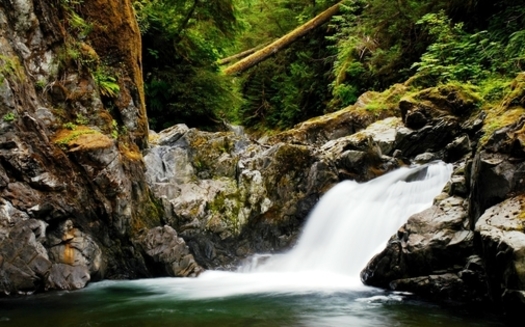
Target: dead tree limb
(282, 42)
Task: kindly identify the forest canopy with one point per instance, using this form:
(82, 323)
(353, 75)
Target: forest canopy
(367, 45)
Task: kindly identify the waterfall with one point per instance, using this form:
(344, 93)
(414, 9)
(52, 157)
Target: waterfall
(347, 227)
(352, 221)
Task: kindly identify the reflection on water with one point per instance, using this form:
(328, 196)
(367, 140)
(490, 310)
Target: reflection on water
(157, 302)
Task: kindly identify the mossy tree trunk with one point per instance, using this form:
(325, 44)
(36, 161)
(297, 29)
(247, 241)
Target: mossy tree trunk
(283, 42)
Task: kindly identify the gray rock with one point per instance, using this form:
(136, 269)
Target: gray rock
(458, 148)
(437, 242)
(68, 245)
(501, 230)
(23, 269)
(493, 179)
(171, 135)
(66, 277)
(164, 246)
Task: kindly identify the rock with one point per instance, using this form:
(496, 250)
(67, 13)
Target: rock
(170, 252)
(171, 135)
(427, 255)
(23, 269)
(67, 277)
(430, 138)
(319, 130)
(64, 156)
(68, 245)
(501, 230)
(425, 157)
(439, 287)
(459, 147)
(493, 179)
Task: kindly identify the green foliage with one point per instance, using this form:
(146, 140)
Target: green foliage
(293, 84)
(114, 129)
(9, 117)
(70, 126)
(182, 40)
(81, 120)
(370, 45)
(376, 42)
(288, 88)
(107, 84)
(10, 67)
(77, 24)
(381, 42)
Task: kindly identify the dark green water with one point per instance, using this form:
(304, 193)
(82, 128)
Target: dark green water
(132, 304)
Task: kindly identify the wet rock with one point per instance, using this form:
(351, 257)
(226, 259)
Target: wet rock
(493, 179)
(428, 253)
(501, 233)
(457, 149)
(68, 245)
(430, 138)
(23, 269)
(170, 252)
(67, 277)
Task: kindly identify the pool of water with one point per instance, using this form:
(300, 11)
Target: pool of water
(182, 303)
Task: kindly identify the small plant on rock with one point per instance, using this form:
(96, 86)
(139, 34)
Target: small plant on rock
(9, 117)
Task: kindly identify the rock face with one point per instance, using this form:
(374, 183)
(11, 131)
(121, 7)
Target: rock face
(469, 245)
(230, 196)
(73, 195)
(220, 190)
(170, 251)
(501, 231)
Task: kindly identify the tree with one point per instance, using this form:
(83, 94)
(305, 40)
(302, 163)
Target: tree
(282, 42)
(182, 41)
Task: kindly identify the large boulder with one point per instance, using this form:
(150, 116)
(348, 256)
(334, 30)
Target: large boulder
(501, 231)
(219, 190)
(23, 269)
(432, 254)
(169, 251)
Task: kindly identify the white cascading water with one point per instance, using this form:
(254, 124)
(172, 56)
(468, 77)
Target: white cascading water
(350, 224)
(352, 221)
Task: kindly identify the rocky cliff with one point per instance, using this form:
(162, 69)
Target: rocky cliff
(74, 203)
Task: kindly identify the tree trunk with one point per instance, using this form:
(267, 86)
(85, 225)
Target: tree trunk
(239, 55)
(283, 42)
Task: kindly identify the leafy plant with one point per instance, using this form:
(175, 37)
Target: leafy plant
(81, 119)
(70, 125)
(9, 117)
(107, 84)
(114, 129)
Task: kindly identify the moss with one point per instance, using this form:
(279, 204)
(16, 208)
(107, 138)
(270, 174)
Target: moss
(496, 120)
(115, 36)
(292, 157)
(81, 138)
(130, 151)
(226, 205)
(10, 67)
(458, 99)
(387, 100)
